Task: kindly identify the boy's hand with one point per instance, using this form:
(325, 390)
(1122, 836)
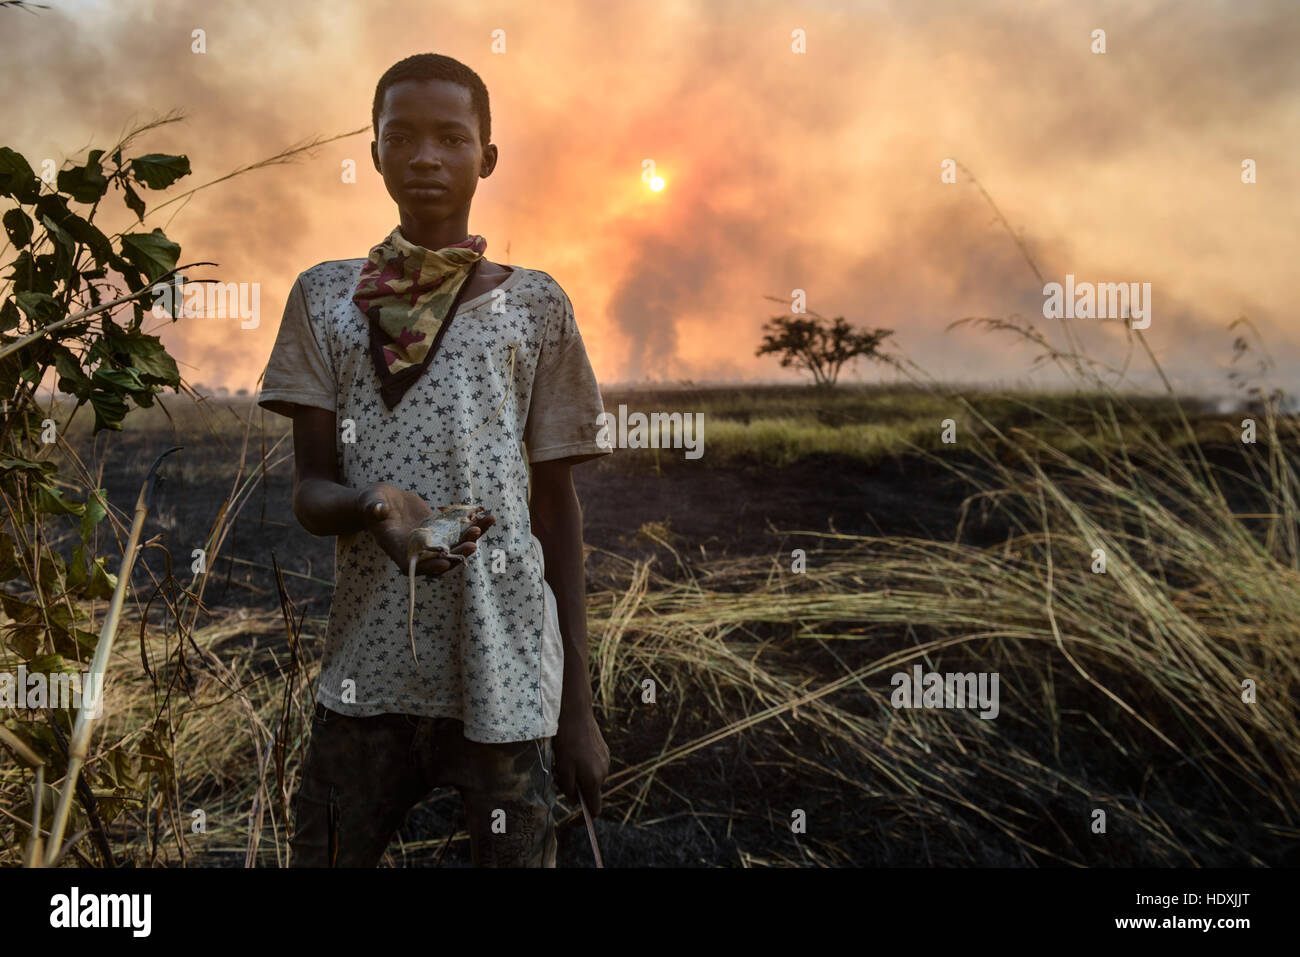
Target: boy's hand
(581, 757)
(391, 514)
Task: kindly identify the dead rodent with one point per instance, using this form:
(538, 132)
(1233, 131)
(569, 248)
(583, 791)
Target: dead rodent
(435, 537)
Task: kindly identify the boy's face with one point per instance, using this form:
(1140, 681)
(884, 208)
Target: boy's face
(428, 134)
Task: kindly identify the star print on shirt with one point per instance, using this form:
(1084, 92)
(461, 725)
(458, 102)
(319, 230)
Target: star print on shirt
(479, 633)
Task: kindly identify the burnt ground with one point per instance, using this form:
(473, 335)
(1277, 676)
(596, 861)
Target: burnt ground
(727, 511)
(711, 511)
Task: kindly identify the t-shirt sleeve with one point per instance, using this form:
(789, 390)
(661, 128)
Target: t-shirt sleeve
(299, 371)
(565, 409)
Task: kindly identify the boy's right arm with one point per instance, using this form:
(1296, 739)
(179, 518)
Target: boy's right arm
(325, 506)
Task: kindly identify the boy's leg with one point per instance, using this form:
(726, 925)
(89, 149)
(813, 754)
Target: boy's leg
(358, 782)
(509, 796)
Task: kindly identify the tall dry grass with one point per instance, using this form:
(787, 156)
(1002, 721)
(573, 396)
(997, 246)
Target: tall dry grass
(1120, 691)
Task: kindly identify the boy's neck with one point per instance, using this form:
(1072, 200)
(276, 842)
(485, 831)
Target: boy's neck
(435, 235)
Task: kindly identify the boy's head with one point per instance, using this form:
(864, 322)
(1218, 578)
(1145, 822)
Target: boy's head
(434, 66)
(432, 128)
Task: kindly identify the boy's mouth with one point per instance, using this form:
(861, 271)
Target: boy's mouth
(426, 189)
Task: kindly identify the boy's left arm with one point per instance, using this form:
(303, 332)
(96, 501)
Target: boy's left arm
(581, 755)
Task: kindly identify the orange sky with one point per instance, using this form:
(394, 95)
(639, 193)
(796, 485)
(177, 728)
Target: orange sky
(818, 171)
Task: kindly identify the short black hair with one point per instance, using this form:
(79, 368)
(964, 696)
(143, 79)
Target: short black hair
(435, 66)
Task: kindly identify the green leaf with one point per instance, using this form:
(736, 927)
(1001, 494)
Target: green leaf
(39, 307)
(159, 366)
(88, 641)
(9, 316)
(29, 465)
(63, 616)
(67, 364)
(123, 774)
(110, 410)
(77, 574)
(50, 501)
(86, 184)
(147, 355)
(25, 641)
(158, 170)
(101, 583)
(129, 273)
(19, 227)
(72, 378)
(133, 200)
(102, 348)
(24, 274)
(152, 253)
(127, 380)
(53, 572)
(16, 177)
(49, 664)
(19, 611)
(111, 806)
(64, 245)
(53, 206)
(95, 513)
(124, 344)
(47, 275)
(89, 236)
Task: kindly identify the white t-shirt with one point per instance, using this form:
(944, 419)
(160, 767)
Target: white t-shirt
(487, 634)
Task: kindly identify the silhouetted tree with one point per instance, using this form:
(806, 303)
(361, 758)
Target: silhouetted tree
(820, 345)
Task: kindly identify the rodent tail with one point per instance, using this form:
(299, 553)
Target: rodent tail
(410, 617)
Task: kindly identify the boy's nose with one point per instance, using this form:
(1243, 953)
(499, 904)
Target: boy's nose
(426, 155)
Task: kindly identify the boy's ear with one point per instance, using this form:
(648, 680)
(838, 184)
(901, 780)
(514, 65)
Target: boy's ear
(374, 156)
(489, 160)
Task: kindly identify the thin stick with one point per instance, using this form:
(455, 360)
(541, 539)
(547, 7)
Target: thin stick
(34, 846)
(81, 730)
(86, 314)
(591, 830)
(15, 744)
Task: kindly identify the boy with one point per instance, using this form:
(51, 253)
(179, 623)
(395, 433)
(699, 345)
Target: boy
(422, 376)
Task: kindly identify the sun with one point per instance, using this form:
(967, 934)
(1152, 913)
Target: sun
(656, 183)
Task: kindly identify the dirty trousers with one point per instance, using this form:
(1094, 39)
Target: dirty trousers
(362, 775)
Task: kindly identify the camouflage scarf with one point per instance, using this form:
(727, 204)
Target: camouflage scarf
(409, 294)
